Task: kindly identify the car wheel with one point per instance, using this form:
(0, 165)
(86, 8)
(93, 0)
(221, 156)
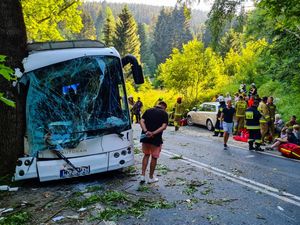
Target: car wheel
(209, 125)
(189, 121)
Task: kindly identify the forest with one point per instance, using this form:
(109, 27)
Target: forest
(183, 52)
(197, 54)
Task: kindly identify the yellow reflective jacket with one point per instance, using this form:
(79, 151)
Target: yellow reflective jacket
(179, 110)
(240, 108)
(264, 111)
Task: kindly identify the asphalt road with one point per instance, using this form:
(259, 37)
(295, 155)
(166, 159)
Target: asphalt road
(257, 188)
(199, 183)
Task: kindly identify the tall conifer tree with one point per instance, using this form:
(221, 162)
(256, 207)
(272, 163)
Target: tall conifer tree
(109, 28)
(88, 31)
(162, 43)
(126, 39)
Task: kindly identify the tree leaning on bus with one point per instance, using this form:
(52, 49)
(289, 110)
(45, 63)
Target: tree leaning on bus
(154, 121)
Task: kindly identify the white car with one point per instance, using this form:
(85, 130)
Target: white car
(205, 114)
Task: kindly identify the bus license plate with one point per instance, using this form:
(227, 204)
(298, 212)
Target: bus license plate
(70, 172)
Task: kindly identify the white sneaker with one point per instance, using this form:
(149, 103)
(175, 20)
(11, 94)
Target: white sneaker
(153, 180)
(142, 179)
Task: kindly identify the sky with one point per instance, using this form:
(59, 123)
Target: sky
(202, 6)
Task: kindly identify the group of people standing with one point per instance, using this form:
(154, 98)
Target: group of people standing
(135, 108)
(257, 115)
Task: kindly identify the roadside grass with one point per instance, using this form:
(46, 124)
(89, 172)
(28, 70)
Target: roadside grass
(18, 218)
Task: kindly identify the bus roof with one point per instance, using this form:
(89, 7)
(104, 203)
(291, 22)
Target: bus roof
(41, 58)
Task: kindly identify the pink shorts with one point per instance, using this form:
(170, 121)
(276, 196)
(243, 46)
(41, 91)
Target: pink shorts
(150, 149)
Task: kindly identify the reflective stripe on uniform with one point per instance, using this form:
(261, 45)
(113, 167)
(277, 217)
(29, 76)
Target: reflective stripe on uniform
(252, 127)
(262, 121)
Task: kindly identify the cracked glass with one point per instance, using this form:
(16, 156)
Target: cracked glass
(74, 100)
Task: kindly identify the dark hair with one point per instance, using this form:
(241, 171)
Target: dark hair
(255, 103)
(162, 103)
(265, 98)
(294, 116)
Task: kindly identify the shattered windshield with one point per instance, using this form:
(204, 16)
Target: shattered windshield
(74, 100)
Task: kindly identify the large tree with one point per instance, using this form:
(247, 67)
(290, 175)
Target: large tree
(13, 45)
(126, 39)
(44, 21)
(88, 31)
(109, 28)
(162, 42)
(51, 19)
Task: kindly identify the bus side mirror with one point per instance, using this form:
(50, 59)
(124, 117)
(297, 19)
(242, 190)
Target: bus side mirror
(136, 69)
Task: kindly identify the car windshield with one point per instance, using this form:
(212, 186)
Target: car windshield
(73, 100)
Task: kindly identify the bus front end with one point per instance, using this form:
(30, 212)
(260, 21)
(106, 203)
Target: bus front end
(77, 117)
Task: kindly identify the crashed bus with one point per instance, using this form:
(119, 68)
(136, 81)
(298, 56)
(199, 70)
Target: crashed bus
(77, 117)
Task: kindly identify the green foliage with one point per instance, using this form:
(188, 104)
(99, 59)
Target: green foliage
(19, 218)
(171, 31)
(109, 28)
(221, 13)
(230, 40)
(7, 73)
(195, 72)
(126, 40)
(51, 19)
(88, 31)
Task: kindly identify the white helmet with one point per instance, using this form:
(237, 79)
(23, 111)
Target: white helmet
(221, 99)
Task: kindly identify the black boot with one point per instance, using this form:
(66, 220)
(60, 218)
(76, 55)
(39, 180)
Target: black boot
(258, 148)
(216, 134)
(221, 134)
(251, 145)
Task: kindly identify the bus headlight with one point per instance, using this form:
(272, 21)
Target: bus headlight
(116, 155)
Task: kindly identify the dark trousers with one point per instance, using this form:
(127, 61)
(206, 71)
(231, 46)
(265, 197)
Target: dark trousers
(218, 128)
(137, 117)
(254, 137)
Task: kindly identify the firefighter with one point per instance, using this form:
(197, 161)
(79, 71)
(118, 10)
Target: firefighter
(253, 126)
(240, 107)
(272, 110)
(178, 113)
(219, 124)
(265, 118)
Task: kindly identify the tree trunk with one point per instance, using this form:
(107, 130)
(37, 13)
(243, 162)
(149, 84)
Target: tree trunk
(13, 45)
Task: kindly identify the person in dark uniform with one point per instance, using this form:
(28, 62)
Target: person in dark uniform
(252, 124)
(219, 124)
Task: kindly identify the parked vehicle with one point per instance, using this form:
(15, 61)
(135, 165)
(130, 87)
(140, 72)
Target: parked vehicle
(75, 104)
(205, 115)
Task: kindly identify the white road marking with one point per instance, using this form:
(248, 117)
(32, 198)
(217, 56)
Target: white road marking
(284, 196)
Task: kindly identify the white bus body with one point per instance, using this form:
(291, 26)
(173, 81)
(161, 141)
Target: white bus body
(77, 118)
